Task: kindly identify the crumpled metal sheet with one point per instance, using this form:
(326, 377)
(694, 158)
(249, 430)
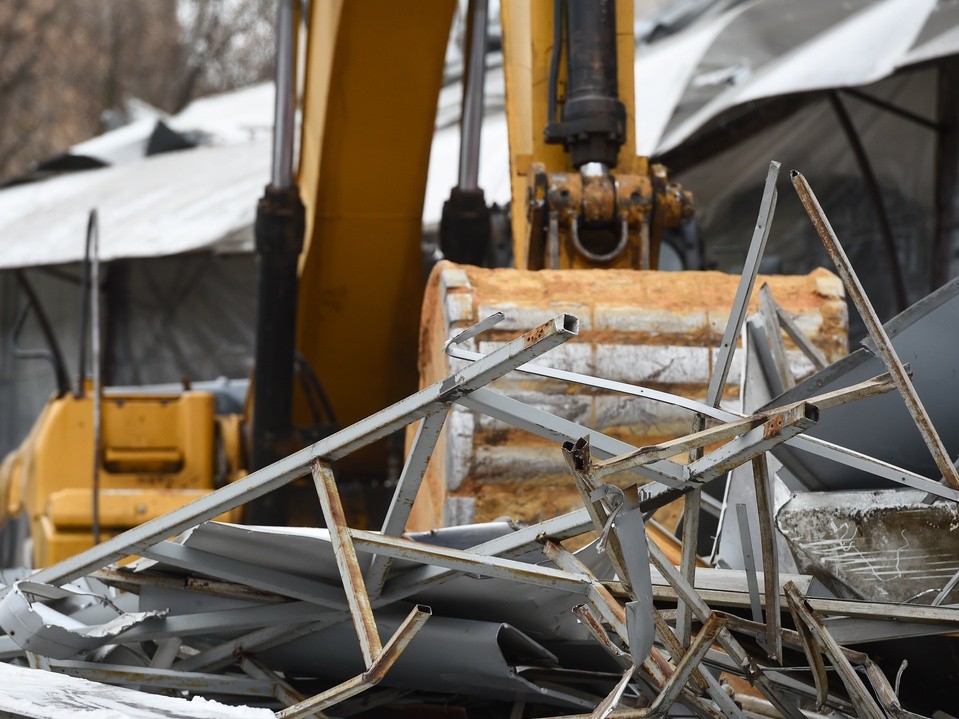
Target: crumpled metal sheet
(38, 628)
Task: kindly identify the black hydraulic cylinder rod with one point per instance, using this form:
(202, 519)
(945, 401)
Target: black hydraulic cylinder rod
(279, 241)
(465, 222)
(278, 233)
(593, 126)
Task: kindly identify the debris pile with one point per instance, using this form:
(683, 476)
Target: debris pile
(504, 619)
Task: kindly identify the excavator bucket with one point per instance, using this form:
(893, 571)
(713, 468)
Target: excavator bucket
(659, 330)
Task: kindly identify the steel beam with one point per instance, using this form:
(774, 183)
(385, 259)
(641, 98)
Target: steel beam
(866, 707)
(777, 429)
(349, 566)
(427, 434)
(755, 604)
(770, 556)
(464, 561)
(876, 467)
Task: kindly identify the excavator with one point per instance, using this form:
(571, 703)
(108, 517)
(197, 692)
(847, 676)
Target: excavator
(338, 240)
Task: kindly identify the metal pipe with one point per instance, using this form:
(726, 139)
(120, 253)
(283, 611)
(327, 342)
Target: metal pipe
(284, 108)
(95, 359)
(85, 303)
(594, 118)
(471, 126)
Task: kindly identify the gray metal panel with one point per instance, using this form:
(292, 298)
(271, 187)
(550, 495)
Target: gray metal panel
(926, 337)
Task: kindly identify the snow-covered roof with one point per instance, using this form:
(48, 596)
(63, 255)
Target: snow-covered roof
(165, 204)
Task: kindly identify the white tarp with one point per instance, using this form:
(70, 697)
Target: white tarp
(154, 206)
(776, 47)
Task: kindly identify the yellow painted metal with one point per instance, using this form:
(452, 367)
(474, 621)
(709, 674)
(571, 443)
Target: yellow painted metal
(527, 44)
(70, 508)
(158, 452)
(369, 110)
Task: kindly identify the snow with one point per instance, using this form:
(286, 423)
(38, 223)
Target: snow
(46, 695)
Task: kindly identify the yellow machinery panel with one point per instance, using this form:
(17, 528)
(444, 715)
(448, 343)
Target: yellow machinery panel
(157, 452)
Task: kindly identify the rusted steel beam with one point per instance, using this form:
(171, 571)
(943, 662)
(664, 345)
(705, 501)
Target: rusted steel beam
(463, 561)
(866, 707)
(777, 429)
(876, 331)
(690, 661)
(767, 541)
(655, 452)
(282, 690)
(703, 680)
(350, 572)
(813, 653)
(133, 581)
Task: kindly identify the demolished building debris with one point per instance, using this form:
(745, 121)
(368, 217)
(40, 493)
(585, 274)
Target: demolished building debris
(588, 613)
